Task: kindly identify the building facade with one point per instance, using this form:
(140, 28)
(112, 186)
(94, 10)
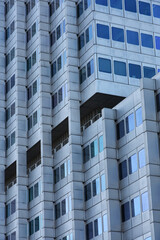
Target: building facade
(79, 120)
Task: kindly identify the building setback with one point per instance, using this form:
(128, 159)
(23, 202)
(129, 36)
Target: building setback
(79, 120)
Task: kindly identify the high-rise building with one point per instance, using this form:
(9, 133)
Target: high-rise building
(79, 120)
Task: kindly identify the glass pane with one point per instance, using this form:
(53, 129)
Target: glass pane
(147, 40)
(144, 8)
(94, 148)
(130, 125)
(54, 100)
(102, 2)
(120, 68)
(30, 194)
(36, 192)
(102, 31)
(158, 102)
(117, 34)
(123, 170)
(34, 118)
(142, 161)
(87, 3)
(63, 203)
(105, 223)
(81, 41)
(88, 34)
(57, 210)
(33, 58)
(125, 212)
(89, 231)
(96, 187)
(120, 130)
(12, 109)
(8, 210)
(34, 87)
(104, 65)
(13, 206)
(134, 70)
(145, 202)
(97, 227)
(132, 163)
(79, 9)
(132, 37)
(148, 72)
(59, 63)
(156, 11)
(116, 4)
(86, 156)
(157, 40)
(90, 68)
(135, 205)
(12, 80)
(13, 137)
(36, 224)
(62, 171)
(82, 74)
(100, 143)
(13, 236)
(31, 227)
(33, 29)
(130, 5)
(56, 175)
(138, 116)
(60, 95)
(87, 192)
(103, 183)
(69, 167)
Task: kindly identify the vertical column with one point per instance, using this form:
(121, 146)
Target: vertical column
(152, 152)
(21, 121)
(48, 231)
(78, 216)
(111, 169)
(2, 120)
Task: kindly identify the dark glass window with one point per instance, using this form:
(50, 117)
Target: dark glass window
(8, 86)
(145, 202)
(116, 4)
(132, 161)
(81, 41)
(63, 203)
(52, 8)
(144, 8)
(8, 210)
(158, 102)
(28, 63)
(96, 187)
(120, 130)
(89, 231)
(82, 75)
(156, 11)
(130, 5)
(33, 58)
(130, 125)
(59, 63)
(63, 170)
(104, 65)
(134, 70)
(125, 212)
(118, 34)
(79, 9)
(34, 118)
(13, 236)
(30, 194)
(54, 100)
(13, 206)
(34, 88)
(87, 192)
(102, 31)
(36, 224)
(142, 159)
(12, 109)
(88, 33)
(86, 156)
(57, 4)
(94, 148)
(147, 40)
(36, 190)
(132, 37)
(97, 227)
(52, 38)
(102, 2)
(59, 32)
(13, 81)
(29, 123)
(123, 170)
(135, 206)
(90, 68)
(13, 138)
(33, 29)
(60, 95)
(138, 117)
(56, 175)
(120, 68)
(148, 72)
(31, 227)
(53, 69)
(87, 3)
(57, 211)
(157, 40)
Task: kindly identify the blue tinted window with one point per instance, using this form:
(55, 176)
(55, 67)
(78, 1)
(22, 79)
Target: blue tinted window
(138, 116)
(123, 170)
(104, 65)
(144, 8)
(135, 205)
(130, 5)
(147, 40)
(132, 37)
(157, 40)
(117, 34)
(142, 161)
(145, 202)
(90, 68)
(81, 41)
(79, 9)
(102, 2)
(120, 129)
(148, 72)
(125, 212)
(116, 4)
(134, 70)
(130, 123)
(120, 68)
(132, 161)
(102, 31)
(156, 11)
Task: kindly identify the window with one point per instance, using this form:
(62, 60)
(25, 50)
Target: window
(52, 8)
(120, 68)
(31, 194)
(28, 63)
(130, 5)
(34, 191)
(82, 75)
(105, 223)
(81, 41)
(79, 9)
(158, 102)
(63, 203)
(88, 33)
(145, 202)
(144, 8)
(148, 72)
(52, 38)
(89, 231)
(135, 206)
(149, 238)
(59, 63)
(156, 11)
(53, 69)
(87, 192)
(36, 224)
(138, 116)
(157, 41)
(29, 123)
(100, 143)
(102, 31)
(86, 155)
(120, 129)
(104, 65)
(87, 3)
(90, 68)
(147, 40)
(57, 4)
(130, 123)
(13, 137)
(56, 175)
(123, 170)
(132, 163)
(116, 4)
(13, 236)
(34, 118)
(33, 29)
(31, 227)
(117, 34)
(103, 183)
(125, 212)
(11, 208)
(60, 95)
(132, 37)
(10, 83)
(59, 31)
(57, 211)
(94, 148)
(12, 109)
(34, 87)
(97, 227)
(33, 58)
(102, 2)
(63, 170)
(141, 156)
(134, 71)
(96, 187)
(54, 100)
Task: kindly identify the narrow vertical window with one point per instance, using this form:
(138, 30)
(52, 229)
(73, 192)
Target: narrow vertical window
(96, 187)
(132, 163)
(135, 205)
